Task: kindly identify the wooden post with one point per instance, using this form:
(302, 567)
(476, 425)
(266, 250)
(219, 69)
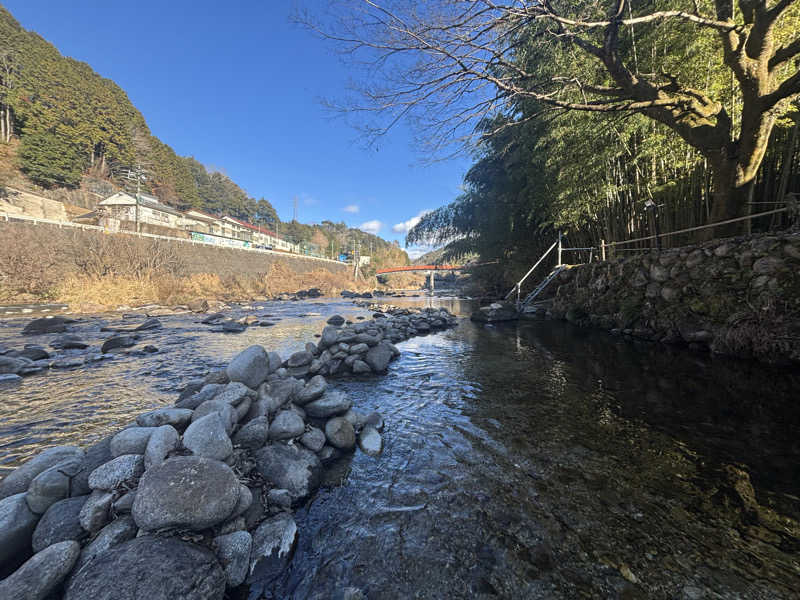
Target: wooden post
(559, 249)
(603, 250)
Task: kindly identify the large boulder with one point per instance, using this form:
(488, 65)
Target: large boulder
(254, 434)
(250, 366)
(378, 357)
(329, 336)
(18, 480)
(185, 491)
(208, 437)
(47, 325)
(151, 568)
(60, 523)
(120, 530)
(290, 467)
(42, 573)
(332, 403)
(17, 524)
(286, 425)
(497, 311)
(300, 359)
(273, 545)
(336, 320)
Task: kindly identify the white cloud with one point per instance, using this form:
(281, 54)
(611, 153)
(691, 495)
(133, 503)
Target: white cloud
(414, 252)
(351, 208)
(406, 226)
(372, 227)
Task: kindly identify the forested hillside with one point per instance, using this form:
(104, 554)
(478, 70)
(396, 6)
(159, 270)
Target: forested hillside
(67, 126)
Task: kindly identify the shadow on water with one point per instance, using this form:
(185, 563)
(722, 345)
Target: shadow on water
(521, 461)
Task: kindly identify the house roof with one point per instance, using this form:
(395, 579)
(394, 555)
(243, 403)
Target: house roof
(126, 199)
(254, 227)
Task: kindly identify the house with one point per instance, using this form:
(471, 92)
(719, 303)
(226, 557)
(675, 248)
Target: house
(123, 206)
(266, 238)
(196, 220)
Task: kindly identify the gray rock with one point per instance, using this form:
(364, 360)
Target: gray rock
(279, 498)
(69, 341)
(768, 265)
(9, 379)
(60, 523)
(300, 359)
(313, 390)
(208, 437)
(17, 524)
(355, 418)
(207, 392)
(13, 364)
(233, 327)
(290, 467)
(42, 573)
(250, 367)
(186, 491)
(117, 471)
(361, 368)
(328, 454)
(274, 543)
(285, 390)
(233, 552)
(68, 363)
(132, 440)
(370, 441)
(149, 324)
(162, 441)
(313, 439)
(275, 361)
(97, 454)
(331, 404)
(375, 420)
(253, 515)
(151, 568)
(95, 513)
(253, 435)
(359, 348)
(235, 393)
(329, 336)
(340, 433)
(243, 409)
(32, 352)
(51, 485)
(125, 503)
(379, 357)
(18, 480)
(119, 530)
(286, 425)
(47, 325)
(499, 311)
(336, 320)
(243, 503)
(118, 341)
(226, 412)
(177, 417)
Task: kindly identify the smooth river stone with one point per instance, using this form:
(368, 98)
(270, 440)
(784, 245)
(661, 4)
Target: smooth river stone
(18, 480)
(42, 573)
(250, 367)
(185, 491)
(17, 524)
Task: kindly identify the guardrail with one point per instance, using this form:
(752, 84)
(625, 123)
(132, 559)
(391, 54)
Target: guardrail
(7, 217)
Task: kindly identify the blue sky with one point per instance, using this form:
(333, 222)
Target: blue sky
(238, 86)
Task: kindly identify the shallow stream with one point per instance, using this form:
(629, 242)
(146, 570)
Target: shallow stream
(522, 461)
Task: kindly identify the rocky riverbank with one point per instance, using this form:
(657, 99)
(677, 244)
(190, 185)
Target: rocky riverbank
(194, 499)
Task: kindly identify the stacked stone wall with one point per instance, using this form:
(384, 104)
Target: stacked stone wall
(737, 296)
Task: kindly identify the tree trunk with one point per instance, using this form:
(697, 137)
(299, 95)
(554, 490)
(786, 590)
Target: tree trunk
(731, 193)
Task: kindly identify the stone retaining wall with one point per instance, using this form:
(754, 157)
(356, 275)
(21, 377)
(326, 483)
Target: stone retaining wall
(737, 296)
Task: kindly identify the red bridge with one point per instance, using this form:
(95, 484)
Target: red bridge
(423, 268)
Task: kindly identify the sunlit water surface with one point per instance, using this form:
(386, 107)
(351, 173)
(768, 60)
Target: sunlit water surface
(521, 461)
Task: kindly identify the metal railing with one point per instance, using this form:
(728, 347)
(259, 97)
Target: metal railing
(7, 217)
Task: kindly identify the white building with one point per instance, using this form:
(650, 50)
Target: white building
(124, 207)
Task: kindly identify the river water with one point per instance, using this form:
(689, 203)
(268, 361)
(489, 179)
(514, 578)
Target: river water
(530, 460)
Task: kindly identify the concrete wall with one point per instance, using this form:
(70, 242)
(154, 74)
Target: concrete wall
(737, 296)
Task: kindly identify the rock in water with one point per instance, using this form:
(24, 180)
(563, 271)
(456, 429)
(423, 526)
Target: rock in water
(19, 480)
(61, 523)
(340, 433)
(185, 491)
(498, 311)
(290, 467)
(313, 390)
(208, 437)
(313, 439)
(17, 524)
(273, 547)
(47, 325)
(379, 357)
(251, 367)
(336, 320)
(118, 341)
(149, 568)
(42, 573)
(370, 441)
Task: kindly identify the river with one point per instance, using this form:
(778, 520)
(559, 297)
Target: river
(530, 460)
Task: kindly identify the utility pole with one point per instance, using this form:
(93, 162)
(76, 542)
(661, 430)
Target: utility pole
(295, 209)
(139, 175)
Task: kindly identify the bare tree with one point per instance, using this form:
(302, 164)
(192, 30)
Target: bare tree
(454, 62)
